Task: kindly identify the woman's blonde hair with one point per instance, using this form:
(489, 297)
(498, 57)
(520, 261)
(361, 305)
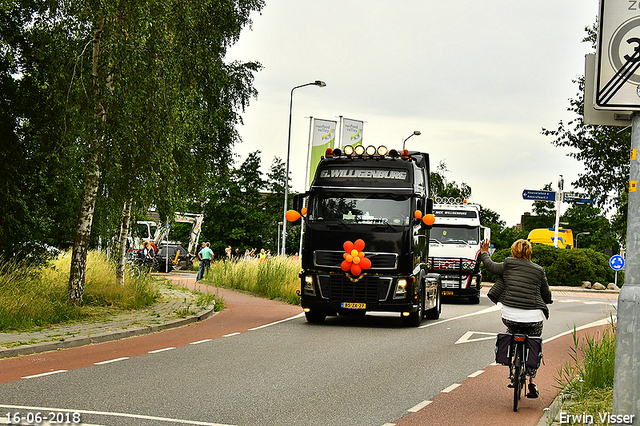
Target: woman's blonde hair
(521, 249)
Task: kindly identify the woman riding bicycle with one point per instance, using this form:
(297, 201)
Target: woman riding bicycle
(523, 291)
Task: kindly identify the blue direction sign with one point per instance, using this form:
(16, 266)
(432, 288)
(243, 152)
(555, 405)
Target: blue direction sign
(616, 262)
(575, 199)
(529, 194)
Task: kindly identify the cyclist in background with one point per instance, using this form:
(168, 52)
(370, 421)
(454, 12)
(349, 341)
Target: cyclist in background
(523, 291)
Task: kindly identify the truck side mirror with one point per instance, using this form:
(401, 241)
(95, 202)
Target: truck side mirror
(298, 201)
(429, 208)
(486, 233)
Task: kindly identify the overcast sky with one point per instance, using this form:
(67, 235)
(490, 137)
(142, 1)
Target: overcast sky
(478, 79)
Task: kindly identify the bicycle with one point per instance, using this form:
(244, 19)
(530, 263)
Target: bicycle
(518, 351)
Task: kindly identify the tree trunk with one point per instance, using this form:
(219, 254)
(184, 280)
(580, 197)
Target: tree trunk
(83, 232)
(122, 241)
(82, 238)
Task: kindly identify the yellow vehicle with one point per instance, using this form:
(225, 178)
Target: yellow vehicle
(547, 236)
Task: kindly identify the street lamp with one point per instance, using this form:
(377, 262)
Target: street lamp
(415, 133)
(286, 179)
(581, 233)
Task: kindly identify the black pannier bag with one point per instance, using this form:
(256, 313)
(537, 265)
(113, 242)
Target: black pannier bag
(534, 354)
(503, 345)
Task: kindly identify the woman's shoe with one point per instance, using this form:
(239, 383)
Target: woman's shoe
(533, 391)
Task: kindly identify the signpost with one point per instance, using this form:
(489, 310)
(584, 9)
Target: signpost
(617, 263)
(617, 87)
(530, 194)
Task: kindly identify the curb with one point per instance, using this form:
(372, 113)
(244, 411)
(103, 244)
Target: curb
(74, 342)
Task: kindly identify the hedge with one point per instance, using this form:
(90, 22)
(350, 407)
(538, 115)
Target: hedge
(565, 267)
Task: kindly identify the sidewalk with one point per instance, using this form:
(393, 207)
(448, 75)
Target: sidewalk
(167, 313)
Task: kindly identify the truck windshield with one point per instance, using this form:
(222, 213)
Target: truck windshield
(361, 208)
(455, 234)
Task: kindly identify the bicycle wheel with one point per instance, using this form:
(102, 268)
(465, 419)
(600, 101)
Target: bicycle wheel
(518, 377)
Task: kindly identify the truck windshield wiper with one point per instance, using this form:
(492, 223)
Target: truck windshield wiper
(460, 241)
(433, 240)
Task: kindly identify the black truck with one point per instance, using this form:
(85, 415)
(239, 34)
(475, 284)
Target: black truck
(366, 237)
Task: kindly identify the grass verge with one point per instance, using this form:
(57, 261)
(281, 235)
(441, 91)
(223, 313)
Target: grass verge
(275, 278)
(32, 297)
(586, 382)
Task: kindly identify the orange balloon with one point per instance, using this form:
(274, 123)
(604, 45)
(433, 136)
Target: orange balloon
(358, 245)
(429, 219)
(348, 258)
(345, 255)
(417, 214)
(345, 266)
(365, 263)
(348, 246)
(356, 260)
(356, 270)
(292, 215)
(303, 211)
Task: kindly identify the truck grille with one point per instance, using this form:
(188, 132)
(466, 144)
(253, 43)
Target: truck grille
(333, 259)
(370, 289)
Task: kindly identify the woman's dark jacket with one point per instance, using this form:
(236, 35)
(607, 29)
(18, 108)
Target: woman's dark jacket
(523, 285)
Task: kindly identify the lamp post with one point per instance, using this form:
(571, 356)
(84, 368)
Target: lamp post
(581, 233)
(286, 179)
(415, 133)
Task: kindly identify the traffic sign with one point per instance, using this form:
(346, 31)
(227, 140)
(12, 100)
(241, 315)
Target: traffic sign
(568, 198)
(618, 56)
(529, 194)
(616, 262)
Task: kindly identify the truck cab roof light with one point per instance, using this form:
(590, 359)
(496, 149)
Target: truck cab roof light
(359, 150)
(405, 154)
(337, 152)
(382, 150)
(329, 153)
(371, 150)
(394, 153)
(348, 150)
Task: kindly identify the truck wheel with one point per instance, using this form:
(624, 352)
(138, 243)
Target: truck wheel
(434, 313)
(315, 317)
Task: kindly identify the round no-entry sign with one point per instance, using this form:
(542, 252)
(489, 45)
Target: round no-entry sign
(616, 262)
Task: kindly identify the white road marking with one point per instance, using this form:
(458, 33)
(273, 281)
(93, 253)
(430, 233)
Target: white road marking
(44, 374)
(108, 414)
(419, 407)
(484, 311)
(200, 341)
(476, 374)
(603, 321)
(231, 334)
(161, 350)
(277, 322)
(450, 388)
(466, 337)
(111, 360)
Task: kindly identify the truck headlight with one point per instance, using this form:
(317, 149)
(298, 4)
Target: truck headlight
(309, 288)
(468, 265)
(401, 289)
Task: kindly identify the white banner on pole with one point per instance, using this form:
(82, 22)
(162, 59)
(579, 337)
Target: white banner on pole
(351, 132)
(323, 136)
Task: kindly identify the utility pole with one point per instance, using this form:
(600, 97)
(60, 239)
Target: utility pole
(626, 392)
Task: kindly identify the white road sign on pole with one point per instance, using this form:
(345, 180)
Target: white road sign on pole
(618, 56)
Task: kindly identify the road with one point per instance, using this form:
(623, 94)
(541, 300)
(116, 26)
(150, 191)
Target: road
(275, 370)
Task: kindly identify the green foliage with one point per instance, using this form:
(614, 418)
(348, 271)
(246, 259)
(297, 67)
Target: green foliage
(33, 296)
(275, 278)
(564, 267)
(586, 382)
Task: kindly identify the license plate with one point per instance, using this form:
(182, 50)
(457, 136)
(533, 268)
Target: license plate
(447, 293)
(354, 305)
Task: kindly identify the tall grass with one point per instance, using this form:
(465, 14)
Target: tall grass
(275, 278)
(587, 381)
(37, 296)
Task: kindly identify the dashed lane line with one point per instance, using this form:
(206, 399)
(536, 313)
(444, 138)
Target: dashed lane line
(111, 360)
(161, 350)
(49, 373)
